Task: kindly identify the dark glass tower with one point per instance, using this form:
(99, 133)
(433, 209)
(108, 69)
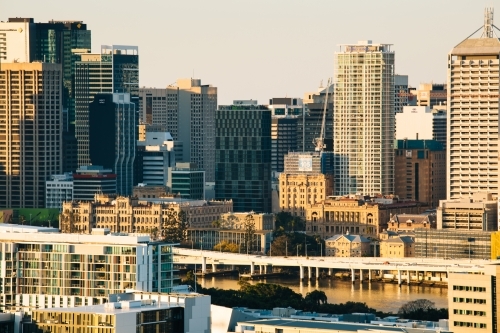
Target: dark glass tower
(243, 157)
(112, 137)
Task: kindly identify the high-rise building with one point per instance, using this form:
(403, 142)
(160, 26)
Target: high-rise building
(112, 137)
(114, 70)
(283, 140)
(414, 123)
(243, 157)
(402, 94)
(309, 124)
(439, 132)
(31, 134)
(420, 171)
(17, 40)
(154, 156)
(364, 119)
(187, 110)
(473, 81)
(58, 190)
(90, 180)
(431, 94)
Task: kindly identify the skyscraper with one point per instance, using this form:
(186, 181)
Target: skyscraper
(17, 41)
(31, 134)
(243, 157)
(310, 122)
(364, 119)
(473, 90)
(112, 137)
(188, 112)
(114, 70)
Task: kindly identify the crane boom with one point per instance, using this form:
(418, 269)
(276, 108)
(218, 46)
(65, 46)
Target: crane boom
(320, 142)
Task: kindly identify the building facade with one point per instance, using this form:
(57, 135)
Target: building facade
(114, 70)
(431, 94)
(65, 270)
(187, 181)
(58, 190)
(154, 155)
(91, 180)
(397, 247)
(347, 246)
(420, 171)
(476, 213)
(208, 238)
(309, 124)
(243, 157)
(414, 123)
(401, 93)
(261, 221)
(364, 119)
(112, 137)
(30, 122)
(283, 140)
(473, 82)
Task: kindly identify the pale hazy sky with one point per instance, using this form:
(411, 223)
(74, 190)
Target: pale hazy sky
(260, 49)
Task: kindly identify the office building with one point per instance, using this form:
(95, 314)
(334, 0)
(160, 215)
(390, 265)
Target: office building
(347, 246)
(479, 212)
(144, 312)
(90, 180)
(402, 94)
(208, 238)
(154, 155)
(307, 179)
(243, 157)
(187, 181)
(58, 190)
(431, 95)
(160, 107)
(414, 123)
(47, 269)
(146, 128)
(18, 40)
(357, 215)
(114, 70)
(364, 119)
(472, 149)
(112, 137)
(420, 171)
(262, 221)
(283, 140)
(397, 247)
(439, 132)
(472, 301)
(310, 122)
(30, 122)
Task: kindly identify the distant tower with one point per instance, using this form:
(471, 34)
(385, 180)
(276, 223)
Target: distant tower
(364, 119)
(472, 123)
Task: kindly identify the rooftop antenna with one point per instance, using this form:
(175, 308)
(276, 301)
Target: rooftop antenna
(488, 23)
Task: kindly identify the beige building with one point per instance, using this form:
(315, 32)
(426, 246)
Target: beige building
(473, 95)
(262, 221)
(347, 246)
(30, 131)
(397, 247)
(410, 222)
(296, 191)
(355, 215)
(472, 301)
(126, 214)
(478, 212)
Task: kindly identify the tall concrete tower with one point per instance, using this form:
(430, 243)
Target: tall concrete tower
(364, 119)
(473, 94)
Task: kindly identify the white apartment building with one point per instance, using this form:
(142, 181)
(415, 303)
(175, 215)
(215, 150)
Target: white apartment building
(473, 90)
(43, 268)
(58, 190)
(364, 119)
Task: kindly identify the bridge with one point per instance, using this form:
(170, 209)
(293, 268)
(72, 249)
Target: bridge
(406, 269)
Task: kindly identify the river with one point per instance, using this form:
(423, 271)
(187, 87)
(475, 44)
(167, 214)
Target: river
(385, 297)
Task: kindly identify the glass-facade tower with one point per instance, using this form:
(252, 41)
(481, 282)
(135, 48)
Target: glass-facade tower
(243, 157)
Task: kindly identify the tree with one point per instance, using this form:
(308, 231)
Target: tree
(286, 222)
(174, 226)
(249, 228)
(422, 309)
(418, 304)
(226, 246)
(314, 299)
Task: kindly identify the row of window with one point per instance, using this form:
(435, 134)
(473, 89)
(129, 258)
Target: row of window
(469, 312)
(469, 288)
(469, 300)
(469, 324)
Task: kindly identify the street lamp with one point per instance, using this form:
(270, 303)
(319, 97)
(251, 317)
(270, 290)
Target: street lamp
(30, 219)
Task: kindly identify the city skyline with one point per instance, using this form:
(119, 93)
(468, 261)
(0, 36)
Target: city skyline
(290, 44)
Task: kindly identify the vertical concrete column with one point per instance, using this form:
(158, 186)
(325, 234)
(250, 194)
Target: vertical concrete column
(203, 265)
(330, 272)
(353, 276)
(317, 273)
(399, 277)
(369, 275)
(301, 268)
(408, 277)
(360, 275)
(309, 272)
(214, 268)
(233, 267)
(265, 269)
(261, 269)
(252, 268)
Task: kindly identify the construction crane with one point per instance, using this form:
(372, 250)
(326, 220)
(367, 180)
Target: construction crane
(319, 143)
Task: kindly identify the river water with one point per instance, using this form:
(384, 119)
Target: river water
(386, 297)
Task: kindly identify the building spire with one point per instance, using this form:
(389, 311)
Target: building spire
(488, 23)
